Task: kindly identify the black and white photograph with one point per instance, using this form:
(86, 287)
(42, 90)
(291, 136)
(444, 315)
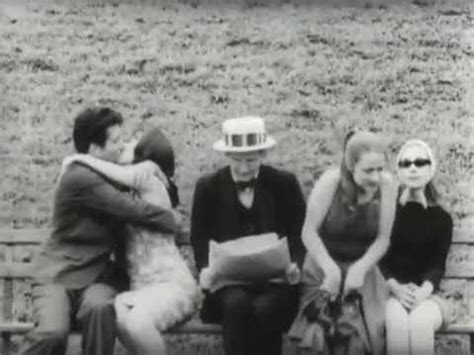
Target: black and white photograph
(237, 177)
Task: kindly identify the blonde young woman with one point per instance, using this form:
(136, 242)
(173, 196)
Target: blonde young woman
(163, 290)
(415, 262)
(347, 229)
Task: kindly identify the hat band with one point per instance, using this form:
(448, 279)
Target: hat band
(245, 140)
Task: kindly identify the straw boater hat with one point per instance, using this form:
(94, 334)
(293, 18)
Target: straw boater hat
(244, 134)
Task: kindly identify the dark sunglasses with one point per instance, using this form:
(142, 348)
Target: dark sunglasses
(419, 163)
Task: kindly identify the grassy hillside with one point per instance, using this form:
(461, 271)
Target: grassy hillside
(311, 70)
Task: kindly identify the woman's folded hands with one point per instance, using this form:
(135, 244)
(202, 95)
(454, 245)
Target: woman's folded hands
(409, 295)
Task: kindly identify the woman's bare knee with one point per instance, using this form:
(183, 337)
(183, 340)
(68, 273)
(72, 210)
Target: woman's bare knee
(426, 315)
(394, 311)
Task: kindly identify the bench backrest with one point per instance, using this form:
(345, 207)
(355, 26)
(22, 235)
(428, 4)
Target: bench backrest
(18, 246)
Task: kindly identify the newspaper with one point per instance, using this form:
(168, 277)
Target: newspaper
(251, 259)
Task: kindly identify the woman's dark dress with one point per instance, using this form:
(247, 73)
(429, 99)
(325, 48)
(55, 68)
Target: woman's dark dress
(347, 233)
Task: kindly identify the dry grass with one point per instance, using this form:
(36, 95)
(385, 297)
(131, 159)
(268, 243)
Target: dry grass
(403, 69)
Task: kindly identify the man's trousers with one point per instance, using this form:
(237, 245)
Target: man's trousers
(54, 307)
(253, 317)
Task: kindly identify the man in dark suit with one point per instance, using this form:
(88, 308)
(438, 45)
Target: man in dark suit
(248, 198)
(76, 274)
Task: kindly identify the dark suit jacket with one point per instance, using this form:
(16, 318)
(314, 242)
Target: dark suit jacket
(89, 223)
(280, 205)
(278, 199)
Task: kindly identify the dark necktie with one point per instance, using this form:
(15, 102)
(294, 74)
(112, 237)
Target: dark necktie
(242, 185)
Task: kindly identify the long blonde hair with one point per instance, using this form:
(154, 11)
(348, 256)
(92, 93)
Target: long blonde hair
(355, 144)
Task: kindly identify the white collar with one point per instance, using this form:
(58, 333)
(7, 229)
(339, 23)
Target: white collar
(235, 180)
(413, 195)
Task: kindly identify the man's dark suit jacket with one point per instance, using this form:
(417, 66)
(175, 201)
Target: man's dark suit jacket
(280, 205)
(89, 224)
(279, 202)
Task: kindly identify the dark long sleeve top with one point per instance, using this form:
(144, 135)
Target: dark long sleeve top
(89, 220)
(419, 244)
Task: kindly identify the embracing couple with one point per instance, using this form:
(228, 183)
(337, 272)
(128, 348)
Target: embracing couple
(113, 231)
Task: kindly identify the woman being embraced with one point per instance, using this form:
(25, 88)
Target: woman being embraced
(163, 290)
(346, 231)
(415, 262)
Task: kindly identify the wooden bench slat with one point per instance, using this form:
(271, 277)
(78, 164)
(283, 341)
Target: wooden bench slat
(16, 327)
(16, 270)
(458, 267)
(460, 264)
(460, 328)
(460, 261)
(461, 234)
(24, 270)
(23, 236)
(191, 327)
(37, 236)
(201, 328)
(195, 326)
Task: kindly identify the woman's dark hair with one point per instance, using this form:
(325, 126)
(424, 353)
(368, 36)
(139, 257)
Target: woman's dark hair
(155, 146)
(355, 144)
(90, 126)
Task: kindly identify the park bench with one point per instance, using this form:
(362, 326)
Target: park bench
(17, 247)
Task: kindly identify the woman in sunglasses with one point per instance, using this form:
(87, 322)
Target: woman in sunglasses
(346, 232)
(415, 261)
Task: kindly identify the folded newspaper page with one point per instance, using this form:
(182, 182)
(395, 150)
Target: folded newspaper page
(248, 260)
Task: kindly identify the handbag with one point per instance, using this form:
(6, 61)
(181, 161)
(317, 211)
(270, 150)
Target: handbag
(343, 321)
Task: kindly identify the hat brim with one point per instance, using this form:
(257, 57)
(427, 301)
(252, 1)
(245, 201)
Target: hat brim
(220, 146)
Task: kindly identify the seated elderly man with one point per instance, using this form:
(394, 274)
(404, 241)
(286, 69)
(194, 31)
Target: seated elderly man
(248, 198)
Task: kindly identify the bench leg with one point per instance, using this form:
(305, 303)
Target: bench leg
(6, 344)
